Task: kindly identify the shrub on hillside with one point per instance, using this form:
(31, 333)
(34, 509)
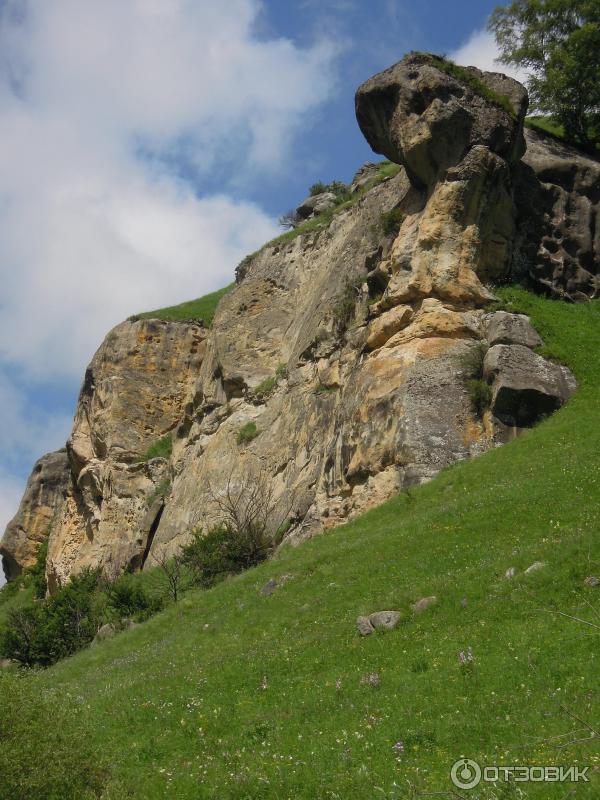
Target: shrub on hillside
(128, 598)
(43, 633)
(224, 551)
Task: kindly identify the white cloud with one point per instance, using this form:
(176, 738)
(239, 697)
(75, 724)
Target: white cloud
(98, 103)
(480, 50)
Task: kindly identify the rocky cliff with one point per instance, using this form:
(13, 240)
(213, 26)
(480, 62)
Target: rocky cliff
(345, 364)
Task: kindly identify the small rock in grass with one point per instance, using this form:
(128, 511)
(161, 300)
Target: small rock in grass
(424, 603)
(592, 581)
(6, 663)
(364, 626)
(106, 631)
(385, 619)
(464, 602)
(269, 587)
(535, 567)
(510, 572)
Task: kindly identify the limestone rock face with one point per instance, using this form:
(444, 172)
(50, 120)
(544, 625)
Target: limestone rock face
(345, 346)
(37, 515)
(558, 200)
(133, 393)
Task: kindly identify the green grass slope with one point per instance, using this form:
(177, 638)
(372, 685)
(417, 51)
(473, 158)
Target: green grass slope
(231, 694)
(191, 311)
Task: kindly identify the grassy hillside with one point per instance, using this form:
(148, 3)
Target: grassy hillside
(549, 127)
(201, 309)
(231, 694)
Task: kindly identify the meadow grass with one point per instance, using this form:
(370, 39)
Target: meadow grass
(231, 694)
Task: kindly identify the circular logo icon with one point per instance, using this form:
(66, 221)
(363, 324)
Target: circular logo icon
(465, 773)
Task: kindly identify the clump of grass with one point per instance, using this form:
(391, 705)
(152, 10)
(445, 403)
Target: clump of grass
(390, 221)
(344, 309)
(480, 395)
(162, 448)
(338, 188)
(201, 310)
(161, 491)
(247, 433)
(265, 388)
(322, 389)
(464, 75)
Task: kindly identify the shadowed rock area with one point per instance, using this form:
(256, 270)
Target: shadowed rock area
(349, 352)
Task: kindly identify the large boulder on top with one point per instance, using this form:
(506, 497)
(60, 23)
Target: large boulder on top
(425, 113)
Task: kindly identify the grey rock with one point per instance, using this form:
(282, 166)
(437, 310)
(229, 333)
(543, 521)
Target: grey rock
(316, 204)
(417, 115)
(505, 328)
(269, 588)
(510, 573)
(592, 581)
(535, 567)
(385, 619)
(7, 663)
(362, 177)
(558, 204)
(424, 603)
(364, 626)
(106, 631)
(525, 386)
(127, 624)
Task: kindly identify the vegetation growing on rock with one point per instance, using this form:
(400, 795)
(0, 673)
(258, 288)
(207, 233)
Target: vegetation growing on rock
(200, 310)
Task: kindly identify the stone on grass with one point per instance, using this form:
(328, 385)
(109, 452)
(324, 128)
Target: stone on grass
(510, 572)
(364, 626)
(424, 603)
(269, 587)
(592, 581)
(535, 567)
(106, 631)
(379, 619)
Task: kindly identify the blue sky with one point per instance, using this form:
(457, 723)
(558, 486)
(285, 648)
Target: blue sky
(148, 145)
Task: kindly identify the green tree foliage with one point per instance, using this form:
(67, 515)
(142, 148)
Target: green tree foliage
(558, 41)
(46, 632)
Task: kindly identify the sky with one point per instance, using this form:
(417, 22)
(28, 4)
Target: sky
(148, 145)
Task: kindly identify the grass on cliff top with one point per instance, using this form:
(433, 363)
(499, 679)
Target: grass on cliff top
(555, 130)
(387, 170)
(231, 694)
(202, 309)
(464, 75)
